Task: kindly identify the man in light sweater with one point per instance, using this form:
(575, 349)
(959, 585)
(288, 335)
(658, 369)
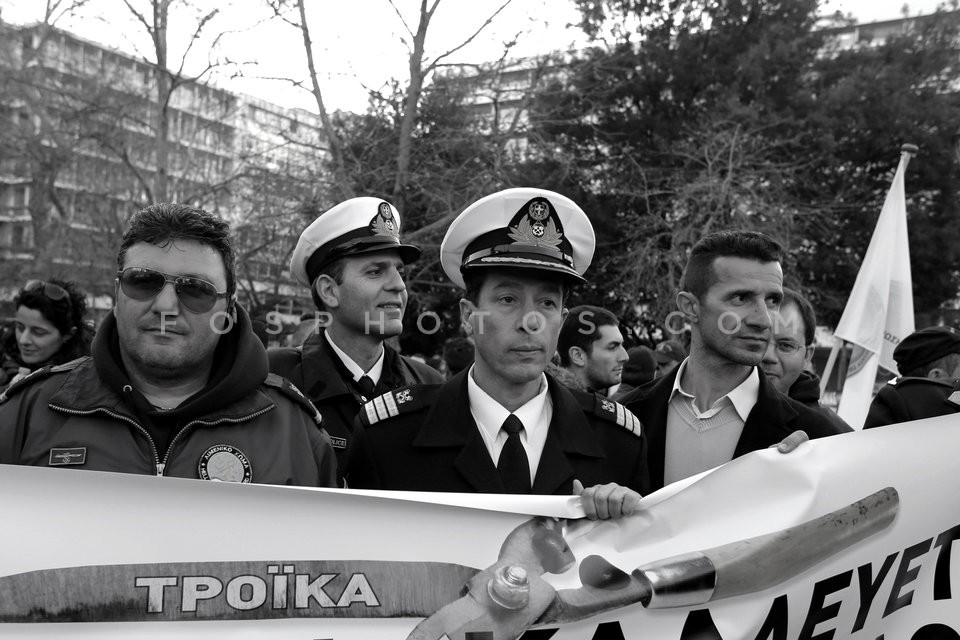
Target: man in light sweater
(717, 404)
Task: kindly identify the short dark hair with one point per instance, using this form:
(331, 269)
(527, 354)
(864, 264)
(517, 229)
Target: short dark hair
(66, 314)
(698, 276)
(162, 223)
(334, 269)
(580, 329)
(473, 280)
(806, 313)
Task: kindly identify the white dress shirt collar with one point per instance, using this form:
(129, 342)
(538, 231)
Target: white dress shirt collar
(355, 370)
(743, 398)
(489, 415)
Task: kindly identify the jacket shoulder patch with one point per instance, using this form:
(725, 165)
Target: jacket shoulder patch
(396, 402)
(290, 391)
(36, 376)
(615, 412)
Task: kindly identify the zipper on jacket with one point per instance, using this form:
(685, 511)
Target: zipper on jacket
(160, 466)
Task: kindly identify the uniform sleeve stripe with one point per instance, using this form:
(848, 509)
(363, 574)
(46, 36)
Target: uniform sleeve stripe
(391, 404)
(371, 413)
(381, 408)
(621, 417)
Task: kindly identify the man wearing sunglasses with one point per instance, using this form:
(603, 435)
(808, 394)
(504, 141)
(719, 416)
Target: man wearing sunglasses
(352, 260)
(177, 384)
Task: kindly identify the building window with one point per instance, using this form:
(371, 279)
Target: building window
(18, 237)
(19, 197)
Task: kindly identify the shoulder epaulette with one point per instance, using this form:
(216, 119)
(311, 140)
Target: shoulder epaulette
(35, 376)
(908, 380)
(290, 390)
(611, 411)
(393, 403)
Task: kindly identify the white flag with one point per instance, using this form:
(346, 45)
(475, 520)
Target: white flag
(879, 312)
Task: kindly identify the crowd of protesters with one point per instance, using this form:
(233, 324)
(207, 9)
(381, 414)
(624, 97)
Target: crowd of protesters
(537, 394)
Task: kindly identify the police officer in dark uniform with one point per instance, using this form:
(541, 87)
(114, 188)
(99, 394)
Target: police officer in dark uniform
(503, 425)
(353, 261)
(929, 385)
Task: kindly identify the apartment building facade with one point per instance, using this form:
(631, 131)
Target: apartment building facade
(88, 135)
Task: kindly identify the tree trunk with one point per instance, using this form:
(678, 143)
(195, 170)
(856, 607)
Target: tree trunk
(164, 89)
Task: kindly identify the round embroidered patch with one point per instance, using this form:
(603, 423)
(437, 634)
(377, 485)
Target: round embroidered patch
(225, 463)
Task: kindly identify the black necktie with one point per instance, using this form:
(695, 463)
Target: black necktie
(367, 388)
(514, 468)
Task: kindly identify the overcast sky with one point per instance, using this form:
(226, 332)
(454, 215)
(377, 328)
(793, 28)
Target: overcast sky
(359, 44)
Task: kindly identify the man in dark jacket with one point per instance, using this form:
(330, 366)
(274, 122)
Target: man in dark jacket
(718, 404)
(503, 426)
(590, 348)
(352, 260)
(787, 359)
(178, 383)
(929, 361)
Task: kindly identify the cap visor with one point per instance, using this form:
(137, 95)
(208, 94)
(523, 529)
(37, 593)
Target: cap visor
(408, 252)
(533, 264)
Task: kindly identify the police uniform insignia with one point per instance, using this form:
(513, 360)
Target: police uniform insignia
(532, 230)
(293, 388)
(383, 407)
(539, 210)
(67, 456)
(225, 463)
(616, 412)
(291, 391)
(393, 403)
(383, 223)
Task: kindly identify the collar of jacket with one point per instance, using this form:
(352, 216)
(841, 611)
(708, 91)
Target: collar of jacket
(83, 391)
(806, 388)
(319, 359)
(449, 423)
(764, 425)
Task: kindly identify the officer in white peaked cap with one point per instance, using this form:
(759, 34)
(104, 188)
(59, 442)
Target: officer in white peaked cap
(352, 259)
(359, 225)
(503, 425)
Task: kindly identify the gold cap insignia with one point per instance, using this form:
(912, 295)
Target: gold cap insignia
(531, 229)
(383, 223)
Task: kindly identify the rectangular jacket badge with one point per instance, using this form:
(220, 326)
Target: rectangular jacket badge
(60, 457)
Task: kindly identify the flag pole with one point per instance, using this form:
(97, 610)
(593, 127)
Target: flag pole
(831, 361)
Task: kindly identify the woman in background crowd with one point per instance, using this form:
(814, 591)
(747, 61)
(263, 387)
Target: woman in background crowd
(48, 329)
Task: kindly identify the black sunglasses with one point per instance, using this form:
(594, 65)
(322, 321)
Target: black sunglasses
(53, 291)
(195, 294)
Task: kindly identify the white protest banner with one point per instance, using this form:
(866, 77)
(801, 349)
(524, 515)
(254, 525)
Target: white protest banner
(143, 557)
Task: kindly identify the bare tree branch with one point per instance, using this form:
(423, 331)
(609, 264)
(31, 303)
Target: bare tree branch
(336, 147)
(479, 30)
